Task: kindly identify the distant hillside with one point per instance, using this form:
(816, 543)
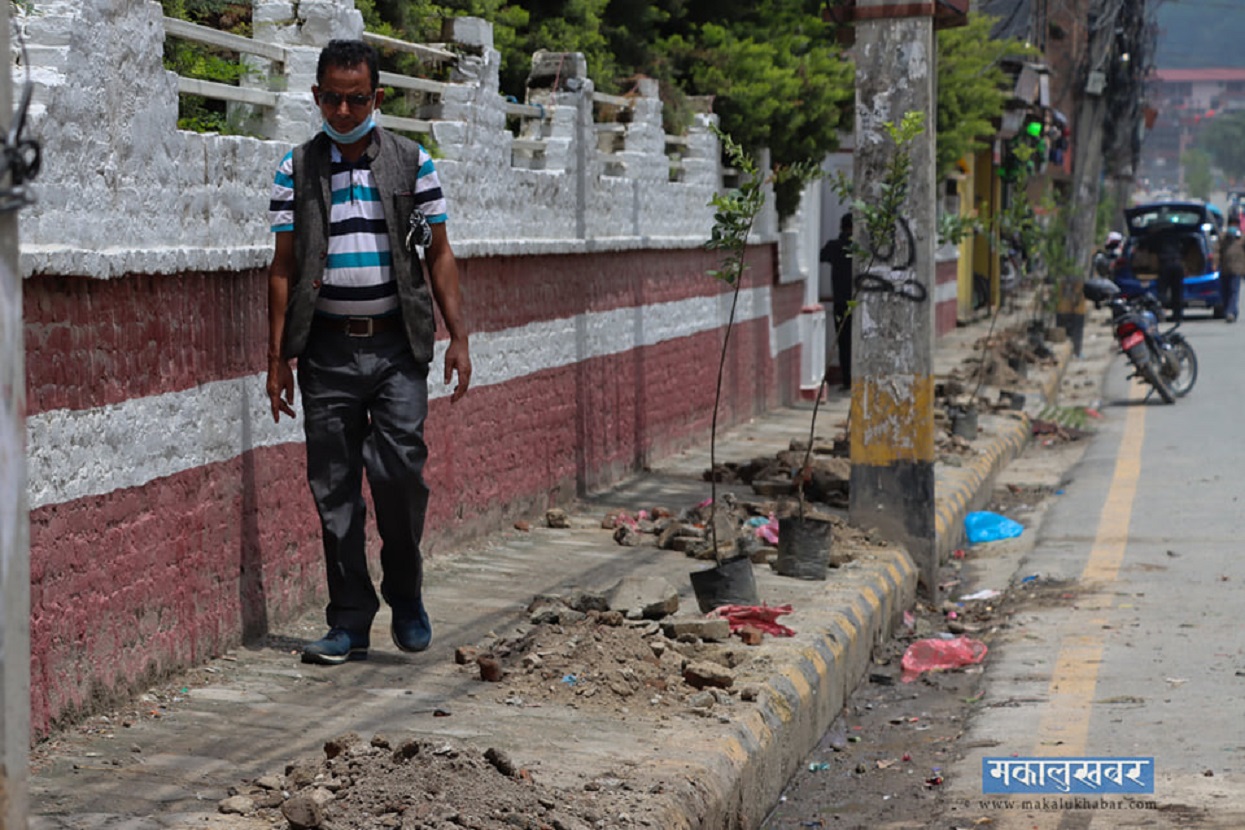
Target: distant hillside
(1194, 34)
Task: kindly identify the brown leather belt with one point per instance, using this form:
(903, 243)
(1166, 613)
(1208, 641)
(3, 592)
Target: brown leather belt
(357, 326)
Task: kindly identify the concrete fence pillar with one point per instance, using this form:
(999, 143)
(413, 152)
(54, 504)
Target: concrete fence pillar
(702, 159)
(470, 117)
(303, 28)
(559, 82)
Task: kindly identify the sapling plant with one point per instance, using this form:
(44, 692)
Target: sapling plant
(887, 240)
(735, 214)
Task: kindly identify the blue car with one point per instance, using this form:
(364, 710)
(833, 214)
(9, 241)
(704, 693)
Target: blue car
(1191, 224)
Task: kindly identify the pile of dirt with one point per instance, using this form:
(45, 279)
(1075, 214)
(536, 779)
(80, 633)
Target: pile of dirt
(593, 659)
(823, 472)
(389, 782)
(604, 660)
(749, 528)
(1005, 359)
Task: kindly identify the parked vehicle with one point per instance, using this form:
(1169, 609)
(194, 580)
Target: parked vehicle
(1163, 359)
(1190, 224)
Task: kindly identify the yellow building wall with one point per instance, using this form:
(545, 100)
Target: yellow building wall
(982, 249)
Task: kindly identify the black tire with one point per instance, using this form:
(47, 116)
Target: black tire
(1180, 368)
(1148, 365)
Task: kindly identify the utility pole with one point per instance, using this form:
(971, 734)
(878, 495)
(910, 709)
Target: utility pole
(1087, 165)
(892, 415)
(14, 527)
(1125, 102)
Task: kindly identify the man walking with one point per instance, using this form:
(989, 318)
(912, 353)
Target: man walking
(838, 253)
(351, 210)
(1231, 268)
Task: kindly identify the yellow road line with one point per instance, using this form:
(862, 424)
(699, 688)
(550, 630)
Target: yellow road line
(1064, 726)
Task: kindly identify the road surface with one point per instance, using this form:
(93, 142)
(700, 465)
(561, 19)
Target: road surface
(1134, 646)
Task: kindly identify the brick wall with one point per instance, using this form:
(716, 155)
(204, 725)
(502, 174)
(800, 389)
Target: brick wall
(170, 518)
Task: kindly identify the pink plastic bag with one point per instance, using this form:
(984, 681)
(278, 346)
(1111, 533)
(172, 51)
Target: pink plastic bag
(764, 617)
(935, 655)
(768, 532)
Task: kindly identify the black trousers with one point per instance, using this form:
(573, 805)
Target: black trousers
(1171, 290)
(843, 331)
(364, 404)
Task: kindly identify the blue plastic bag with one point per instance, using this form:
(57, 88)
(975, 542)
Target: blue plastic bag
(990, 527)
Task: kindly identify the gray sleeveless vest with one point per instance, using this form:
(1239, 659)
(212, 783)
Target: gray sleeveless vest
(395, 164)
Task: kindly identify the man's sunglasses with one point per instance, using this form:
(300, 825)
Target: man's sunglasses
(356, 100)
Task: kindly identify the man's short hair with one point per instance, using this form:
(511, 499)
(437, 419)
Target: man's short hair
(346, 54)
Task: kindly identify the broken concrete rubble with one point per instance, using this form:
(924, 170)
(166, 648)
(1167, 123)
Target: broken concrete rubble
(649, 598)
(712, 630)
(703, 674)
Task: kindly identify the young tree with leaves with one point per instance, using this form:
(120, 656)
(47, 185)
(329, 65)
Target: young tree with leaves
(972, 88)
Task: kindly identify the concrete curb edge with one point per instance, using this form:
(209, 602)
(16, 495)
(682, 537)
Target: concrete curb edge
(745, 774)
(964, 489)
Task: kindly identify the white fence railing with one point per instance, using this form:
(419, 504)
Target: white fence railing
(234, 43)
(528, 176)
(530, 144)
(427, 54)
(225, 40)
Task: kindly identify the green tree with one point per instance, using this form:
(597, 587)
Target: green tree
(1223, 139)
(972, 88)
(774, 68)
(1197, 175)
(782, 87)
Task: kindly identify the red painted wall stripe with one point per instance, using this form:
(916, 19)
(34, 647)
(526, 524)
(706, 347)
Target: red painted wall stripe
(93, 342)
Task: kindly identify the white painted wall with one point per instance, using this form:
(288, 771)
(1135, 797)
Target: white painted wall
(122, 190)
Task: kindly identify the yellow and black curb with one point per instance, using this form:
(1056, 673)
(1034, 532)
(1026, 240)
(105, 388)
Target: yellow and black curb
(810, 679)
(961, 490)
(813, 675)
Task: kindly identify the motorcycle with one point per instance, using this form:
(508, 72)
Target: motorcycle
(1163, 359)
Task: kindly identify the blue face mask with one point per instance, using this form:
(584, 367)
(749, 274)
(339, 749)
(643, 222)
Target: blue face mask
(354, 135)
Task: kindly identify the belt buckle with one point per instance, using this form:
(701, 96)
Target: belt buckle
(368, 332)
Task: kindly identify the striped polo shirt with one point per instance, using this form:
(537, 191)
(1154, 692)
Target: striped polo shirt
(358, 278)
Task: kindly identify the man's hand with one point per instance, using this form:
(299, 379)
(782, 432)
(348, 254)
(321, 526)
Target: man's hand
(281, 387)
(457, 360)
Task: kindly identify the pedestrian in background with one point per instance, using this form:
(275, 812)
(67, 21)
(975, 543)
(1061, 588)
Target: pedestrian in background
(351, 210)
(1105, 260)
(1231, 269)
(838, 253)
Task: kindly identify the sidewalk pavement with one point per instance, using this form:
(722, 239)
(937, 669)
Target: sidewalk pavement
(258, 708)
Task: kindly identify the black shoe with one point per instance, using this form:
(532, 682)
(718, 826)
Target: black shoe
(336, 647)
(411, 632)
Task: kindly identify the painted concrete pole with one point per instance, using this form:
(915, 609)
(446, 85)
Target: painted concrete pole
(14, 530)
(892, 416)
(1087, 167)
